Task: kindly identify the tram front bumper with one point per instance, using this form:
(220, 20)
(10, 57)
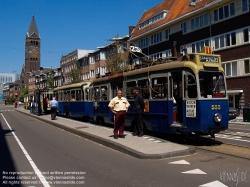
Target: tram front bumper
(216, 129)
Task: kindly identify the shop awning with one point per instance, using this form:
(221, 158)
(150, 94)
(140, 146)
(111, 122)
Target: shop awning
(234, 91)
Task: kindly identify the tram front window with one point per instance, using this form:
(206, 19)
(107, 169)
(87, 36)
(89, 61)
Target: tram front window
(212, 84)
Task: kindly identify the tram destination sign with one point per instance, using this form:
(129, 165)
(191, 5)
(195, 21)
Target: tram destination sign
(211, 59)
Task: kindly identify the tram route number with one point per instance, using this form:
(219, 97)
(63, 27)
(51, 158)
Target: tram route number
(191, 108)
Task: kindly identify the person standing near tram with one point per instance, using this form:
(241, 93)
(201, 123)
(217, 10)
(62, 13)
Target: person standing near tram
(54, 105)
(138, 110)
(119, 106)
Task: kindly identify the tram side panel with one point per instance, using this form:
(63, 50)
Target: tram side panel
(60, 108)
(157, 119)
(79, 109)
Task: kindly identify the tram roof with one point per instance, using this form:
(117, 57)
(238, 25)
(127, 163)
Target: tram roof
(72, 85)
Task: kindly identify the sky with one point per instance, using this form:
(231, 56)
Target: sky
(64, 26)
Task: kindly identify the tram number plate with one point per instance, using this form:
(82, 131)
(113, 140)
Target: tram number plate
(191, 108)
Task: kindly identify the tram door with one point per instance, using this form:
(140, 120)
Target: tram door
(177, 78)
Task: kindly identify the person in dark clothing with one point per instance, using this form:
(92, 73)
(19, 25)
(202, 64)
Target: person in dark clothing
(138, 110)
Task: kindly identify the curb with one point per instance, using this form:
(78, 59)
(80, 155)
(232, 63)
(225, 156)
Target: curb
(114, 145)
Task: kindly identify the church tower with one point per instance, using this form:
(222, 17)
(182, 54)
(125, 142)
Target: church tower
(32, 48)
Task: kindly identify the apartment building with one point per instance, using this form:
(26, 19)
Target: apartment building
(69, 62)
(172, 28)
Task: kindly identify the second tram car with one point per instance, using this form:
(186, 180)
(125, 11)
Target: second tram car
(73, 100)
(196, 82)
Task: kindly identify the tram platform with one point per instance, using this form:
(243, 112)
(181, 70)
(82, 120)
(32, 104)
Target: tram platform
(146, 147)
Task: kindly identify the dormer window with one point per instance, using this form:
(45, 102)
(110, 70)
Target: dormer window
(193, 2)
(153, 19)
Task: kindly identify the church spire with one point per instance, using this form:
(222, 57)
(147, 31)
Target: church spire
(33, 27)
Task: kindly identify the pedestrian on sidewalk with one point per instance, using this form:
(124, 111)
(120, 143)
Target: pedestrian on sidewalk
(31, 104)
(119, 106)
(138, 110)
(53, 105)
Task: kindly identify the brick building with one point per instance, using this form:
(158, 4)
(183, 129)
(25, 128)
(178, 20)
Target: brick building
(175, 27)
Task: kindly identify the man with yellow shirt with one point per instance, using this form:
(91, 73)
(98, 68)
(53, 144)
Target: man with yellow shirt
(119, 106)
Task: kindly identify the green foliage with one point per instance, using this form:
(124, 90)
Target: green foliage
(11, 100)
(50, 79)
(75, 73)
(25, 91)
(116, 58)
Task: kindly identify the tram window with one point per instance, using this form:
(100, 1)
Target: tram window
(104, 92)
(57, 95)
(73, 95)
(97, 93)
(86, 94)
(115, 86)
(212, 84)
(144, 85)
(78, 95)
(67, 98)
(159, 88)
(130, 89)
(191, 86)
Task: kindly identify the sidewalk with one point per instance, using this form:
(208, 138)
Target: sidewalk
(239, 121)
(145, 147)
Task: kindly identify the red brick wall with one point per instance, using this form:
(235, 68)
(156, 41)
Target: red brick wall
(241, 83)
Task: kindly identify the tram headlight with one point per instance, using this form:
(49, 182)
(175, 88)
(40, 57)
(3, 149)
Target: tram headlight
(217, 117)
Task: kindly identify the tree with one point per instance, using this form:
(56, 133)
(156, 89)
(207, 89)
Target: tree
(117, 56)
(75, 73)
(50, 79)
(25, 91)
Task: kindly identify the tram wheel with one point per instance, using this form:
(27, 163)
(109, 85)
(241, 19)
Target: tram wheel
(100, 121)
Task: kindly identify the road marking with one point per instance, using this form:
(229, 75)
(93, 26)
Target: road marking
(37, 171)
(194, 171)
(152, 139)
(213, 184)
(179, 162)
(231, 138)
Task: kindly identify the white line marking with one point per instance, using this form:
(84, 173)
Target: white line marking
(37, 171)
(194, 171)
(233, 139)
(157, 141)
(180, 162)
(151, 139)
(213, 184)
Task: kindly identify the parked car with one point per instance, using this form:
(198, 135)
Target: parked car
(232, 113)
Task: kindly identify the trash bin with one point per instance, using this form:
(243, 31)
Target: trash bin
(246, 114)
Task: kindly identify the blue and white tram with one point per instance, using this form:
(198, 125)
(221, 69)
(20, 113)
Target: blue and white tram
(196, 82)
(73, 100)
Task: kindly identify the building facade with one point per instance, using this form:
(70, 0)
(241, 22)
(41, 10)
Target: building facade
(70, 62)
(171, 29)
(8, 77)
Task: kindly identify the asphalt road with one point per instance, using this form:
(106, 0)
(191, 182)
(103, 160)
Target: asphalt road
(57, 153)
(237, 134)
